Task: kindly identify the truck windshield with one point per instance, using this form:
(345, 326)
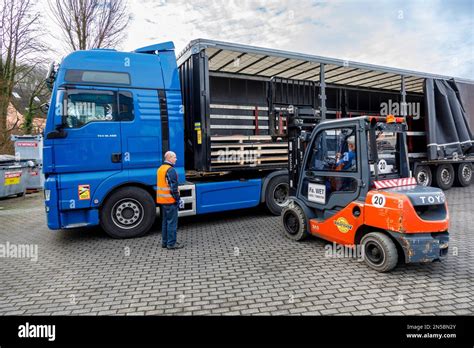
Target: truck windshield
(388, 151)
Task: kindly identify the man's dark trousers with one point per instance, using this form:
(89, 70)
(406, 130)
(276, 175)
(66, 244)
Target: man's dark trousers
(169, 225)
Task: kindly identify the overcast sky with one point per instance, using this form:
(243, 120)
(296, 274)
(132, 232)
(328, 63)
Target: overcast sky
(434, 36)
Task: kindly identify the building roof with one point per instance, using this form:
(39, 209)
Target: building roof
(15, 119)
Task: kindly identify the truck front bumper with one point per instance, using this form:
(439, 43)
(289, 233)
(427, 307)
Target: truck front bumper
(423, 247)
(51, 203)
(57, 218)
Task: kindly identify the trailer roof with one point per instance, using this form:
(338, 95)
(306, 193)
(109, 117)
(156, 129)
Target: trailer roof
(231, 58)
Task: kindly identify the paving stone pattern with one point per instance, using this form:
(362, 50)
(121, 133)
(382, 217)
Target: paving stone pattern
(234, 263)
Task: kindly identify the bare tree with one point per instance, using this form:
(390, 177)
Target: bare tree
(19, 41)
(33, 93)
(89, 24)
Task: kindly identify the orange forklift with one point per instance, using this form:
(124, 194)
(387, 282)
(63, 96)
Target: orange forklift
(350, 184)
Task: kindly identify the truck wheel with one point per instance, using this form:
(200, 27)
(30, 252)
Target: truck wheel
(380, 252)
(276, 194)
(127, 213)
(444, 177)
(423, 175)
(463, 175)
(294, 222)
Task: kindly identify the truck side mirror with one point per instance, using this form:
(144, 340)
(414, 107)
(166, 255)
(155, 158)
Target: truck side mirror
(58, 133)
(44, 108)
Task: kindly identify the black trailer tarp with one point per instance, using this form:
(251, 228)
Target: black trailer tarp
(466, 91)
(447, 125)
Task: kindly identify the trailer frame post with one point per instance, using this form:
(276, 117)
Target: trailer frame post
(322, 92)
(403, 93)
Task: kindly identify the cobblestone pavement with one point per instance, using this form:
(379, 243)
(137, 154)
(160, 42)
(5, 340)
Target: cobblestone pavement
(236, 263)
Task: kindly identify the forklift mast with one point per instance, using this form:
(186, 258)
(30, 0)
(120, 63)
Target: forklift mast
(301, 122)
(294, 112)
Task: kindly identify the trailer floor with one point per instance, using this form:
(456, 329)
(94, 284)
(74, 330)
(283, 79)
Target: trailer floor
(233, 263)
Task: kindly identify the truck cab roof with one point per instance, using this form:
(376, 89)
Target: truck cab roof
(155, 70)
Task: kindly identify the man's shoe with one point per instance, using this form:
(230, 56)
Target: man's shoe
(176, 246)
(163, 246)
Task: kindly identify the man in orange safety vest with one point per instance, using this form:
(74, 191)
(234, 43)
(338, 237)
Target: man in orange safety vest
(168, 198)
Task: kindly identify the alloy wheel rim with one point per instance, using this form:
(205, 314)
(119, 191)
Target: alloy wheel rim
(422, 178)
(466, 173)
(445, 176)
(127, 213)
(280, 194)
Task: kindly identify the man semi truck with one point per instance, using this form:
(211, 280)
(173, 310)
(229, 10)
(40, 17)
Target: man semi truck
(223, 108)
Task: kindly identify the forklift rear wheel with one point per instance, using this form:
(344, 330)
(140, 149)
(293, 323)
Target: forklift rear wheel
(423, 175)
(294, 222)
(380, 252)
(464, 175)
(444, 177)
(128, 213)
(276, 194)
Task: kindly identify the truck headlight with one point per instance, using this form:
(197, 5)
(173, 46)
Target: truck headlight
(47, 195)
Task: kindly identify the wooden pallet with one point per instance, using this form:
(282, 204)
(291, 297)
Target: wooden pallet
(232, 151)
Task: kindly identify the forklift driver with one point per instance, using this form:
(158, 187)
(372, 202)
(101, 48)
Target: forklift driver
(347, 162)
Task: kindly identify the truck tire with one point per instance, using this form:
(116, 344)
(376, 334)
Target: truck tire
(380, 252)
(463, 175)
(444, 176)
(423, 175)
(294, 222)
(277, 194)
(128, 213)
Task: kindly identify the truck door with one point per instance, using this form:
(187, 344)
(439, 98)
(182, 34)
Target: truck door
(139, 112)
(90, 140)
(331, 177)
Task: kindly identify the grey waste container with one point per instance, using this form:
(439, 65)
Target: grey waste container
(34, 176)
(29, 149)
(13, 178)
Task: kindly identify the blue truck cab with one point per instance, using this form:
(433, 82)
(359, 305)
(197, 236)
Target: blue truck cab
(112, 117)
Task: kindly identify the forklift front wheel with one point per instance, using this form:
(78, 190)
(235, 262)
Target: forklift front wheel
(379, 251)
(294, 222)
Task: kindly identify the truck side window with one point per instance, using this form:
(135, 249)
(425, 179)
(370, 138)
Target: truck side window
(85, 106)
(125, 106)
(334, 150)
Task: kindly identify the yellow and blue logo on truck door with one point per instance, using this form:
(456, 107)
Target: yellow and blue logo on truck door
(84, 192)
